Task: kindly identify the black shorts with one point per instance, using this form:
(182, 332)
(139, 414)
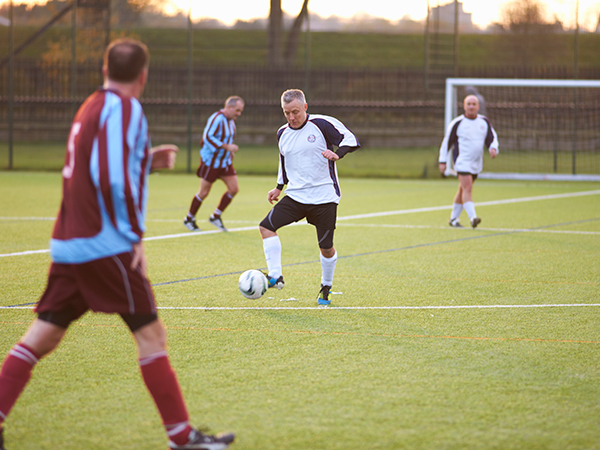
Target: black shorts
(322, 216)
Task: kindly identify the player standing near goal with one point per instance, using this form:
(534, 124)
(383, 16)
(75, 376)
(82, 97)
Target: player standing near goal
(216, 161)
(307, 167)
(98, 259)
(467, 135)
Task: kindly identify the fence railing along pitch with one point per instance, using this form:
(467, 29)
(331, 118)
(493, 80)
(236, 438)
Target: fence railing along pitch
(389, 107)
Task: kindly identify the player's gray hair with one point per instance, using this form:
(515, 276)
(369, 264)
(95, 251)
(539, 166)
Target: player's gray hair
(232, 101)
(293, 94)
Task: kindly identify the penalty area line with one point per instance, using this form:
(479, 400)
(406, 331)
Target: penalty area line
(258, 308)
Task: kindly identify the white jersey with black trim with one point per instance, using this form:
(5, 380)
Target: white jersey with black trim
(467, 139)
(310, 177)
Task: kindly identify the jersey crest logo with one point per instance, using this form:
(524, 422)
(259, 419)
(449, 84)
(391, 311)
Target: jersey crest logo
(311, 138)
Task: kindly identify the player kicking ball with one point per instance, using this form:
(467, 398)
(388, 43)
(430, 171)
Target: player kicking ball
(307, 167)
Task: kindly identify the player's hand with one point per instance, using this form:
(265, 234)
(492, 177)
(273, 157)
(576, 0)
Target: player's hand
(139, 262)
(493, 152)
(443, 169)
(163, 156)
(231, 147)
(273, 195)
(330, 155)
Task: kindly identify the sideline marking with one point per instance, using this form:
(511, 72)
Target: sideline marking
(359, 216)
(28, 218)
(478, 204)
(467, 228)
(343, 308)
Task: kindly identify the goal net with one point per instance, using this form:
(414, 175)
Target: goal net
(547, 129)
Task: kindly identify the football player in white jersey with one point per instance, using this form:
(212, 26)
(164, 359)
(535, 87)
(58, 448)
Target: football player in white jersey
(466, 136)
(307, 166)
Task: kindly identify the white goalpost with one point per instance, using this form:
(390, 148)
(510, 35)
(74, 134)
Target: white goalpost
(547, 129)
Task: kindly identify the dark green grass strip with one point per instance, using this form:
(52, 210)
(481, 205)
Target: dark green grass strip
(410, 247)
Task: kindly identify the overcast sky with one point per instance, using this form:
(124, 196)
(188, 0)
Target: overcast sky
(483, 12)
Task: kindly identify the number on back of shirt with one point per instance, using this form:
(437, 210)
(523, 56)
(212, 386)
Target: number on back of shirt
(67, 171)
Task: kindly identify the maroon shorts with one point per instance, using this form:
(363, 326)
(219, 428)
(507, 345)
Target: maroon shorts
(106, 285)
(211, 174)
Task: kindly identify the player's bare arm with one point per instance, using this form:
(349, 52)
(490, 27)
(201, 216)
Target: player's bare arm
(163, 156)
(493, 152)
(274, 195)
(442, 168)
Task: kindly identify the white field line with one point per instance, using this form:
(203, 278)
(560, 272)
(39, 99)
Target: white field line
(478, 204)
(29, 252)
(439, 227)
(340, 308)
(28, 218)
(358, 216)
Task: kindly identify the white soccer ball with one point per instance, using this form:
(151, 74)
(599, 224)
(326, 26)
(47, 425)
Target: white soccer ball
(253, 284)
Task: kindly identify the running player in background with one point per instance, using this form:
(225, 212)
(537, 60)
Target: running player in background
(216, 161)
(466, 136)
(307, 167)
(98, 259)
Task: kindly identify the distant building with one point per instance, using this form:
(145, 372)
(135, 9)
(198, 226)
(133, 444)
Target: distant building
(442, 16)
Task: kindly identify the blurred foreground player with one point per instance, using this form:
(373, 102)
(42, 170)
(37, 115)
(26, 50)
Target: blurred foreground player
(98, 259)
(466, 136)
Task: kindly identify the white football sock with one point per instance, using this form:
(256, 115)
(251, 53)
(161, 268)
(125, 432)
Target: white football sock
(470, 209)
(328, 268)
(456, 210)
(272, 248)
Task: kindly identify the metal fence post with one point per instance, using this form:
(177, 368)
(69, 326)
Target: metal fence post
(73, 58)
(575, 76)
(11, 90)
(307, 58)
(189, 91)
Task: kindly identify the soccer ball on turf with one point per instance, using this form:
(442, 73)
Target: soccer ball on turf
(253, 284)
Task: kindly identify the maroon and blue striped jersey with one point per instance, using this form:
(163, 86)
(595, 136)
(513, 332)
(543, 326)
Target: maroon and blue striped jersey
(105, 177)
(219, 130)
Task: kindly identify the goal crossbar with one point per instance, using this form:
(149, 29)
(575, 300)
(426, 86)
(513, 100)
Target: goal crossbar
(451, 92)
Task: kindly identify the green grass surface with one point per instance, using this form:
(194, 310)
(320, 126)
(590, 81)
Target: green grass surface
(501, 372)
(367, 162)
(252, 160)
